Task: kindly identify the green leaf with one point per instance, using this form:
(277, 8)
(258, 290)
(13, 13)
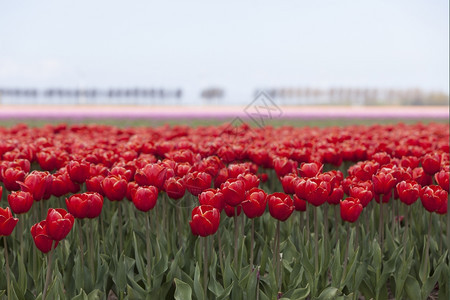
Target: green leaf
(120, 275)
(298, 294)
(412, 288)
(198, 288)
(329, 293)
(183, 290)
(22, 282)
(95, 294)
(431, 282)
(226, 293)
(81, 296)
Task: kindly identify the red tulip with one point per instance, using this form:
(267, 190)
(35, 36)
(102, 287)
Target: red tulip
(132, 187)
(299, 204)
(434, 198)
(383, 182)
(61, 184)
(281, 206)
(174, 187)
(205, 220)
(145, 198)
(421, 177)
(442, 178)
(59, 223)
(7, 222)
(232, 211)
(94, 184)
(408, 191)
(78, 171)
(86, 205)
(351, 208)
(212, 197)
(233, 191)
(316, 191)
(196, 182)
(11, 176)
(288, 183)
(41, 238)
(114, 187)
(310, 169)
(37, 183)
(250, 180)
(283, 166)
(364, 170)
(20, 202)
(153, 174)
(431, 163)
(255, 203)
(362, 193)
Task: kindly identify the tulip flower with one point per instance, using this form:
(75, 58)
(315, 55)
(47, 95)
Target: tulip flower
(7, 221)
(233, 191)
(145, 198)
(431, 163)
(37, 183)
(383, 182)
(196, 182)
(11, 177)
(434, 198)
(94, 184)
(255, 203)
(310, 169)
(442, 178)
(174, 187)
(351, 208)
(316, 191)
(41, 238)
(20, 202)
(78, 171)
(299, 204)
(86, 205)
(281, 206)
(114, 187)
(59, 223)
(212, 197)
(408, 191)
(153, 175)
(205, 220)
(363, 193)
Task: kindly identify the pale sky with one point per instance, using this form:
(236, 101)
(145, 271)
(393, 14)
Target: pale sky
(237, 45)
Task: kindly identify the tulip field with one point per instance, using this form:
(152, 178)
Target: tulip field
(219, 212)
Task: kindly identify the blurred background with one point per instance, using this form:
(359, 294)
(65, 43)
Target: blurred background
(191, 55)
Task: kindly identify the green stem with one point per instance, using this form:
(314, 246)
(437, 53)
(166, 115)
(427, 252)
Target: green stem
(325, 224)
(337, 220)
(220, 253)
(427, 247)
(91, 248)
(119, 212)
(380, 225)
(205, 265)
(344, 269)
(49, 271)
(149, 257)
(278, 269)
(252, 242)
(8, 279)
(316, 242)
(80, 238)
(236, 231)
